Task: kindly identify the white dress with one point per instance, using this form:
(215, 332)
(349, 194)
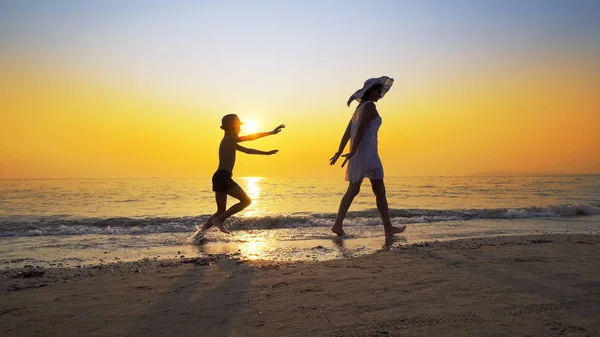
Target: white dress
(366, 162)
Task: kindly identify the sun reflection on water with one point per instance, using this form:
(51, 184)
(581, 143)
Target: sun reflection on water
(253, 190)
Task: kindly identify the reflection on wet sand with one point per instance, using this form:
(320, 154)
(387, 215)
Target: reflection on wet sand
(263, 245)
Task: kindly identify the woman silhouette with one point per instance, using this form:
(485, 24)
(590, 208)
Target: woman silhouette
(363, 158)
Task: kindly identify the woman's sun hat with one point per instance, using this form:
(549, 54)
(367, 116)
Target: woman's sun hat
(385, 81)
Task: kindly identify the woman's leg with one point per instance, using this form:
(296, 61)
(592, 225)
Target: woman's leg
(382, 205)
(353, 189)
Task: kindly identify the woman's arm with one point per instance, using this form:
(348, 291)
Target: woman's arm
(368, 114)
(343, 142)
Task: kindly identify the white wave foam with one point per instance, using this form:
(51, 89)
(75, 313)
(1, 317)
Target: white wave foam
(28, 226)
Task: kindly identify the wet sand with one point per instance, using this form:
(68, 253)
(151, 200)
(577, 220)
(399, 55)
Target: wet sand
(544, 285)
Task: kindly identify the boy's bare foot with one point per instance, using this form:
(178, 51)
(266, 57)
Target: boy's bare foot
(198, 235)
(219, 224)
(394, 230)
(338, 230)
(206, 226)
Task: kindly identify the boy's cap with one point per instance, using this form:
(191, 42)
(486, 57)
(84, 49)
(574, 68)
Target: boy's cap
(229, 120)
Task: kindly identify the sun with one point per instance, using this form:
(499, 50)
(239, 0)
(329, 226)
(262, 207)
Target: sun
(250, 126)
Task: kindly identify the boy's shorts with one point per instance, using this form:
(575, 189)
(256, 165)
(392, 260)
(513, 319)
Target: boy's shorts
(222, 182)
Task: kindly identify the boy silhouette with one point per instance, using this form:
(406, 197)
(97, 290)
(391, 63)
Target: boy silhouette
(222, 183)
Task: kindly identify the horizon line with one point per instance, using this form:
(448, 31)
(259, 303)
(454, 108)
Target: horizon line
(310, 177)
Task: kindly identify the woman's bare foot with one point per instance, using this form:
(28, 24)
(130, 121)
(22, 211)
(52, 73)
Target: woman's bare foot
(338, 230)
(219, 224)
(394, 230)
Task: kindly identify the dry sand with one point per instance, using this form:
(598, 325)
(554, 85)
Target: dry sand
(505, 286)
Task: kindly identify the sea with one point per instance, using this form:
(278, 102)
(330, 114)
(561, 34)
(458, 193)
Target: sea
(69, 223)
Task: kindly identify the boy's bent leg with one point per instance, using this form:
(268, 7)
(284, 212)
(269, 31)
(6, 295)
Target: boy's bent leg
(238, 193)
(208, 224)
(221, 200)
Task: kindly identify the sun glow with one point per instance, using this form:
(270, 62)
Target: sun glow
(250, 126)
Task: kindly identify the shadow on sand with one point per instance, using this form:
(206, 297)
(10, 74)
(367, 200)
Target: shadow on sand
(190, 308)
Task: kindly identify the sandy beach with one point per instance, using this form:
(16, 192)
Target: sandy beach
(183, 168)
(546, 285)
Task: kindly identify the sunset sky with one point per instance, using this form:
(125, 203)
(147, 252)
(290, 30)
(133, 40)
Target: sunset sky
(103, 89)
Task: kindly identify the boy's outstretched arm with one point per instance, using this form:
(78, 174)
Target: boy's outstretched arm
(254, 151)
(260, 134)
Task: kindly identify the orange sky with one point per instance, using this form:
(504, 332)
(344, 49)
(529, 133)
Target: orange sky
(103, 90)
(59, 126)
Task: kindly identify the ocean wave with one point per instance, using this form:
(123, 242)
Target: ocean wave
(54, 225)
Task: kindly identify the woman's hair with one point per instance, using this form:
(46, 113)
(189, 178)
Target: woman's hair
(367, 93)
